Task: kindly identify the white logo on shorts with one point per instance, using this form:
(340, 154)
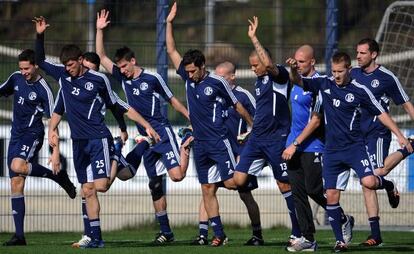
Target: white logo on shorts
(208, 91)
(32, 96)
(349, 97)
(143, 86)
(101, 171)
(367, 170)
(375, 83)
(89, 86)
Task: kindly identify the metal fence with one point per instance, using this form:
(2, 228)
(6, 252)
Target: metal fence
(219, 28)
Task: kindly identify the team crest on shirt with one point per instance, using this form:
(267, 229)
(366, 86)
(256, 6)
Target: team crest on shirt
(89, 86)
(208, 91)
(375, 83)
(143, 86)
(349, 97)
(265, 79)
(32, 96)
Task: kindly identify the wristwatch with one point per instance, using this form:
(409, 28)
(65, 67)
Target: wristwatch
(295, 143)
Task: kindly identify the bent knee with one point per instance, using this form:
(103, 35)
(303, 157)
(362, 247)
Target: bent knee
(18, 166)
(369, 182)
(239, 178)
(175, 174)
(88, 190)
(283, 187)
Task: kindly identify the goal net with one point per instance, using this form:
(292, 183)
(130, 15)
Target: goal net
(396, 38)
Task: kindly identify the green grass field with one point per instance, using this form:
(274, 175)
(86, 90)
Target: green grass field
(139, 241)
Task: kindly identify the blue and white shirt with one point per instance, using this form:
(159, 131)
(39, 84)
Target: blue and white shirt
(206, 101)
(272, 118)
(302, 103)
(384, 85)
(143, 94)
(83, 98)
(342, 110)
(31, 102)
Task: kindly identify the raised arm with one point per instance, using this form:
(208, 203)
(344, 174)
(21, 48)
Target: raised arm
(54, 70)
(171, 49)
(41, 26)
(261, 52)
(101, 23)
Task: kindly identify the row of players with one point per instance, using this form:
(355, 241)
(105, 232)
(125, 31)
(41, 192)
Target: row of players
(350, 114)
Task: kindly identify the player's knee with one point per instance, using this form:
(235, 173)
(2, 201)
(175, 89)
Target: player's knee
(126, 173)
(369, 182)
(101, 185)
(283, 187)
(209, 190)
(175, 174)
(239, 178)
(156, 188)
(18, 166)
(88, 190)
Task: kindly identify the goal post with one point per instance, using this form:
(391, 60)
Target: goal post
(396, 39)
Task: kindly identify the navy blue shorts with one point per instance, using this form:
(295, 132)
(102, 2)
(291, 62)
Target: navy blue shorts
(25, 147)
(214, 160)
(258, 153)
(92, 158)
(378, 149)
(336, 166)
(164, 155)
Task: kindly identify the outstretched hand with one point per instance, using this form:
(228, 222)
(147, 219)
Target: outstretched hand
(172, 13)
(253, 26)
(41, 24)
(102, 19)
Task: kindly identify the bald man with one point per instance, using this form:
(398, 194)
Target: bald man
(304, 148)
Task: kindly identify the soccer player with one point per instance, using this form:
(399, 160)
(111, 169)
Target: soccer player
(91, 61)
(212, 150)
(342, 100)
(236, 126)
(304, 148)
(143, 89)
(32, 99)
(83, 94)
(271, 124)
(384, 85)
